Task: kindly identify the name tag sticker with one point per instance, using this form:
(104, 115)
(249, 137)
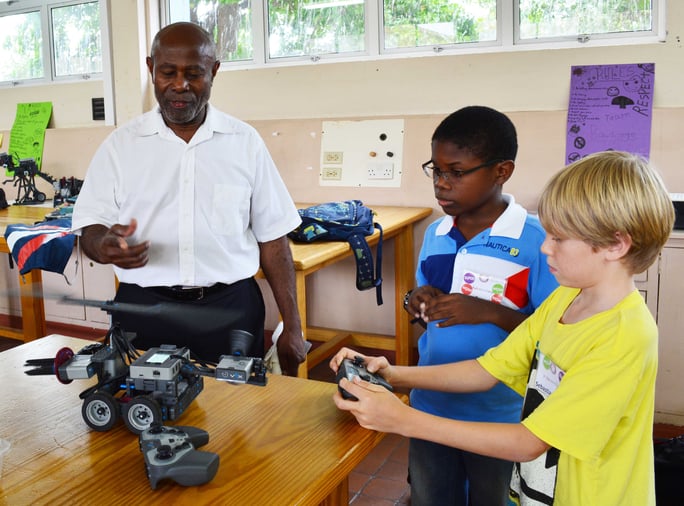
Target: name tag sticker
(548, 375)
(483, 286)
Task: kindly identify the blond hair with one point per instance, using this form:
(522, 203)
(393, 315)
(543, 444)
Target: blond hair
(609, 193)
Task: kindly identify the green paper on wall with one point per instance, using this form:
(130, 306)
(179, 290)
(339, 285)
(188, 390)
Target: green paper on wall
(28, 132)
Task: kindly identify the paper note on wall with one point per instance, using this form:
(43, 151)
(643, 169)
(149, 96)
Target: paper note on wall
(28, 131)
(610, 109)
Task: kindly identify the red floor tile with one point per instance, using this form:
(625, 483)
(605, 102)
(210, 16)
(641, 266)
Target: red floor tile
(357, 480)
(393, 470)
(385, 489)
(371, 501)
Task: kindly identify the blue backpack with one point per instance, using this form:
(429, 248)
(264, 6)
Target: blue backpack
(350, 221)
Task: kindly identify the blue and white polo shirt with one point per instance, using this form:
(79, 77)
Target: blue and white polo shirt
(502, 264)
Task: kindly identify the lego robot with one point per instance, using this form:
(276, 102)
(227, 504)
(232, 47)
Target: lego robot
(145, 389)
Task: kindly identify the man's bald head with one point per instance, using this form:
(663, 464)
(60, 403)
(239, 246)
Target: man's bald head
(187, 32)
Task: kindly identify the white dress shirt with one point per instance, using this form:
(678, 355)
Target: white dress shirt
(203, 205)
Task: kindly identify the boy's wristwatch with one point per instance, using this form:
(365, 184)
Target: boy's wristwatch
(407, 296)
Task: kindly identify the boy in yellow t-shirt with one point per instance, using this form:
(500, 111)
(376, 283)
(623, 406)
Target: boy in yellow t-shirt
(585, 361)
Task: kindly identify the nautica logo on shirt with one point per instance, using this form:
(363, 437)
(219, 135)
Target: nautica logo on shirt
(514, 252)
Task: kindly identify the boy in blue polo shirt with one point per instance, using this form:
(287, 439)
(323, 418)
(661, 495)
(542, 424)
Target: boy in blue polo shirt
(480, 273)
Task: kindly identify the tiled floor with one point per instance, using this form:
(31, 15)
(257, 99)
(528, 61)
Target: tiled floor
(380, 479)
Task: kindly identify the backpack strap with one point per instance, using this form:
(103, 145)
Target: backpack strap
(367, 277)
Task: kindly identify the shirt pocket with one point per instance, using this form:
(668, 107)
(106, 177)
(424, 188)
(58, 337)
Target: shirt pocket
(230, 209)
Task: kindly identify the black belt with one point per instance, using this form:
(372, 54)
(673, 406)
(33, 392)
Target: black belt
(188, 292)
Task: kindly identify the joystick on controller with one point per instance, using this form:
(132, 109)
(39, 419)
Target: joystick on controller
(170, 453)
(350, 368)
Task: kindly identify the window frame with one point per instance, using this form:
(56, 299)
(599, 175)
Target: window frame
(44, 7)
(507, 40)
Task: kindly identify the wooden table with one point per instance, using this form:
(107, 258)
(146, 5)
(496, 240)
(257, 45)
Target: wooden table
(397, 224)
(31, 283)
(282, 444)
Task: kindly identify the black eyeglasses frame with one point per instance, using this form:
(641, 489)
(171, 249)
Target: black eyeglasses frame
(435, 173)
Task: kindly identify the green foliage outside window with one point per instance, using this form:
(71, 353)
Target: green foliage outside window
(22, 43)
(316, 27)
(76, 39)
(309, 27)
(558, 18)
(410, 23)
(74, 35)
(296, 28)
(229, 21)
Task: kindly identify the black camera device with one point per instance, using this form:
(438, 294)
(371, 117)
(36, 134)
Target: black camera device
(350, 368)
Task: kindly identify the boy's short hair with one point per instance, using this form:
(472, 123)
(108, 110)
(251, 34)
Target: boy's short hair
(606, 193)
(485, 132)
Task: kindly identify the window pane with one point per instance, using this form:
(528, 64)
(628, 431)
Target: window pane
(558, 18)
(230, 21)
(76, 39)
(315, 27)
(415, 23)
(21, 42)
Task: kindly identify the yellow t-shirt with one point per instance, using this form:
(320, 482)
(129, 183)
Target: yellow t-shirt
(599, 414)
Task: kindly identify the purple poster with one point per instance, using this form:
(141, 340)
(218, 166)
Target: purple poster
(610, 109)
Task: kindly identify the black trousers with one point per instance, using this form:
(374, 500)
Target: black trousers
(206, 325)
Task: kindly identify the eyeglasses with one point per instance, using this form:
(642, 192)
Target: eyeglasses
(435, 173)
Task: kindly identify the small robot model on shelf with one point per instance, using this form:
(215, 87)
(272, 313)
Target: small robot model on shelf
(144, 389)
(25, 179)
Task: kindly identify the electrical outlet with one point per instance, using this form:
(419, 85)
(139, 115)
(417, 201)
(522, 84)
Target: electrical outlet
(332, 157)
(382, 170)
(331, 173)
